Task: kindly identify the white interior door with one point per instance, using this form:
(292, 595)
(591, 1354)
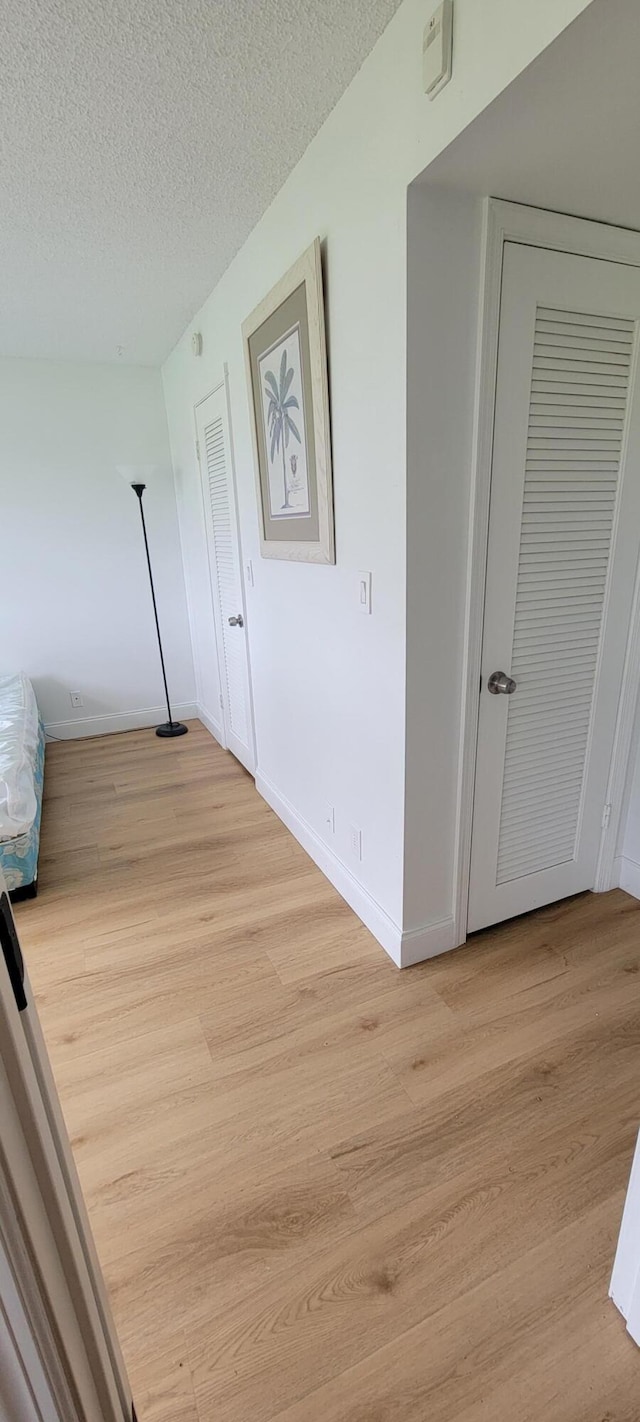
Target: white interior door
(221, 518)
(564, 534)
(625, 1280)
(52, 1297)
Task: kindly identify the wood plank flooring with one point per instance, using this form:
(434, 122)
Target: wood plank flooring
(323, 1190)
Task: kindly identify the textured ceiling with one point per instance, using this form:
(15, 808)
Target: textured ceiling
(141, 140)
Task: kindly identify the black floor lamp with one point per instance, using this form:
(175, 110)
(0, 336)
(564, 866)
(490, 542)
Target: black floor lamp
(137, 476)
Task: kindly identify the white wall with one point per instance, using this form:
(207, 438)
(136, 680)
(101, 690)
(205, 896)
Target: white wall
(329, 684)
(75, 612)
(444, 254)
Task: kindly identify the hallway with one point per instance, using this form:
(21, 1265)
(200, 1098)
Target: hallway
(323, 1190)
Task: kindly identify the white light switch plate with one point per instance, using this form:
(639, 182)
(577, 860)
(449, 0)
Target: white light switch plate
(364, 593)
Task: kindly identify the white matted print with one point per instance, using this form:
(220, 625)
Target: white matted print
(282, 406)
(287, 382)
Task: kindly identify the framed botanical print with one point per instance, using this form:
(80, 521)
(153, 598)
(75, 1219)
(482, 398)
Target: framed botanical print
(286, 359)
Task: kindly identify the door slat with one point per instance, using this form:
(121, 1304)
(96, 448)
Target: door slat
(578, 399)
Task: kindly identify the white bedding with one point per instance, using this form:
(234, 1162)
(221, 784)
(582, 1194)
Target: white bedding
(18, 744)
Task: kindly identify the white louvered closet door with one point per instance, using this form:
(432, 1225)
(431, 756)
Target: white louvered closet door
(564, 537)
(216, 471)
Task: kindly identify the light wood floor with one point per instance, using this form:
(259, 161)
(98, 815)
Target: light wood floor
(323, 1190)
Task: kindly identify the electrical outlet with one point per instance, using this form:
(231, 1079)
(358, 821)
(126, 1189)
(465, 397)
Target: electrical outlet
(329, 819)
(75, 699)
(355, 841)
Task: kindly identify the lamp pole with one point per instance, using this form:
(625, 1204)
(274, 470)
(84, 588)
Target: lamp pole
(171, 727)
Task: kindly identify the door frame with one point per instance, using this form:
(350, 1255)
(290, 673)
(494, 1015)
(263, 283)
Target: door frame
(51, 1268)
(513, 222)
(216, 615)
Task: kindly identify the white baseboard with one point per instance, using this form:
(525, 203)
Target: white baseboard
(628, 876)
(382, 927)
(214, 727)
(118, 721)
(404, 948)
(418, 944)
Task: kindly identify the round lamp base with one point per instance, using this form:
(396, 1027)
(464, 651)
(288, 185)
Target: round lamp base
(172, 728)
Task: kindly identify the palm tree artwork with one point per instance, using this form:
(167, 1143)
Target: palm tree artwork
(281, 424)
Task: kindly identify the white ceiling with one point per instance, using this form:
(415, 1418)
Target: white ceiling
(565, 135)
(141, 140)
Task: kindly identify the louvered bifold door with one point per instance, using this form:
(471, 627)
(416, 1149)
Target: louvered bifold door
(224, 566)
(579, 386)
(558, 468)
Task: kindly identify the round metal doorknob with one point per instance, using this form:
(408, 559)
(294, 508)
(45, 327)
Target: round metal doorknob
(499, 684)
(236, 621)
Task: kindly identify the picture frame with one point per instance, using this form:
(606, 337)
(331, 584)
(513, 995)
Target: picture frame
(287, 381)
